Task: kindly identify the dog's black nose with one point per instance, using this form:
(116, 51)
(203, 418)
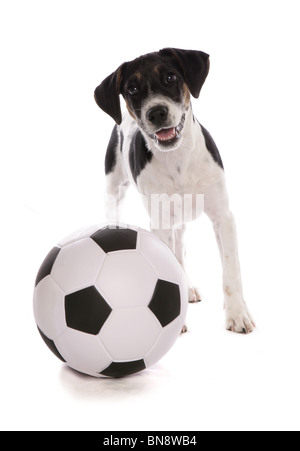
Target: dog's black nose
(157, 115)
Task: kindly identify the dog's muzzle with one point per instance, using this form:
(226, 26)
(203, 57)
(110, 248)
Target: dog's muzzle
(168, 136)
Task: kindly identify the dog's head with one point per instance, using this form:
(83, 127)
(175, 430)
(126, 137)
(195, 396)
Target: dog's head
(156, 88)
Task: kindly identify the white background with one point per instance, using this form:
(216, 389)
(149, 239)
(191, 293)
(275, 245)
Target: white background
(53, 140)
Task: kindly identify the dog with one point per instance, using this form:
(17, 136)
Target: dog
(160, 147)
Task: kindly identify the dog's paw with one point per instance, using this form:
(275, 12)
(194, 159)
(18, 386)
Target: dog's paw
(238, 318)
(194, 295)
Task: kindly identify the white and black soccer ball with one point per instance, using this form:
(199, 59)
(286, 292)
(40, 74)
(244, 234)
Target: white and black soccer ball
(110, 301)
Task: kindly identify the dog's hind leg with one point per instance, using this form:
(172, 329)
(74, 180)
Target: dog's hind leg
(116, 178)
(115, 194)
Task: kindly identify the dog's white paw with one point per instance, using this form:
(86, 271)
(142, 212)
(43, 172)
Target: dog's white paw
(238, 318)
(194, 295)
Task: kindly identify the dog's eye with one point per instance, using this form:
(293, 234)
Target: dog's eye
(170, 79)
(132, 90)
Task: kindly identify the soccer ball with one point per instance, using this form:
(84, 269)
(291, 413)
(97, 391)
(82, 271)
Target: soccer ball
(110, 301)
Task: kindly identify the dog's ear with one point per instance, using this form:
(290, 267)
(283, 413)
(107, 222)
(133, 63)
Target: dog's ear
(107, 95)
(194, 66)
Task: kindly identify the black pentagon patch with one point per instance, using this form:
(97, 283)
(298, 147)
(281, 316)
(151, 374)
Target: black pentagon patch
(123, 369)
(165, 302)
(47, 264)
(86, 310)
(51, 345)
(115, 239)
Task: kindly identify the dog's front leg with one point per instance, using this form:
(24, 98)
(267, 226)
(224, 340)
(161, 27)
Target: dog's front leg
(174, 240)
(194, 295)
(238, 318)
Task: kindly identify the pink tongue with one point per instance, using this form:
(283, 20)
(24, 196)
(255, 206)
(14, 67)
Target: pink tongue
(165, 134)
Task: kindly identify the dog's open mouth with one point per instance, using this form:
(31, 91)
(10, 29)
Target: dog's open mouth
(167, 136)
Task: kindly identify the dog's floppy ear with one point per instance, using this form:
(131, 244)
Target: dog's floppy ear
(194, 66)
(107, 95)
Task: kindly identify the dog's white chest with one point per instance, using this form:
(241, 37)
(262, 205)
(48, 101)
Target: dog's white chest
(183, 171)
(178, 180)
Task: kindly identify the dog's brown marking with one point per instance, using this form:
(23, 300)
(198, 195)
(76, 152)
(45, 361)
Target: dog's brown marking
(130, 111)
(186, 95)
(228, 291)
(138, 75)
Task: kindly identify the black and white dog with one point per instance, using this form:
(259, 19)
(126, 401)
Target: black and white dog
(162, 149)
